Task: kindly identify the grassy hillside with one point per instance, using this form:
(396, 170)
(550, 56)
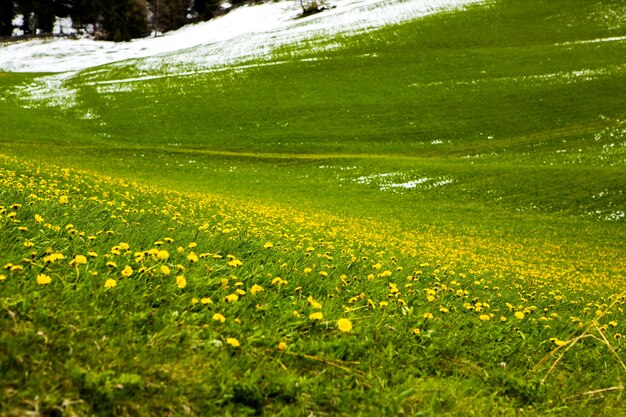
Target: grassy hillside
(454, 187)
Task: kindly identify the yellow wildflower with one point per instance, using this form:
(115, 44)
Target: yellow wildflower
(181, 282)
(255, 289)
(558, 342)
(281, 346)
(206, 300)
(235, 263)
(127, 271)
(484, 317)
(231, 298)
(162, 255)
(192, 257)
(519, 314)
(2, 277)
(268, 245)
(428, 316)
(110, 283)
(344, 325)
(219, 317)
(43, 279)
(165, 270)
(38, 218)
(315, 304)
(316, 316)
(232, 341)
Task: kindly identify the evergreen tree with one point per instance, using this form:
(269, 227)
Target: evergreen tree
(169, 14)
(205, 9)
(7, 13)
(44, 15)
(123, 20)
(82, 12)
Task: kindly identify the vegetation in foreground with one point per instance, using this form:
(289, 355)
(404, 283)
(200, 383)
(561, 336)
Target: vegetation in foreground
(122, 299)
(189, 280)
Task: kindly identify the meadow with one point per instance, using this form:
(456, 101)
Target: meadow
(427, 219)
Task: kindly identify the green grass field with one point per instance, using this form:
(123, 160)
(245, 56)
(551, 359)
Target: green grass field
(449, 194)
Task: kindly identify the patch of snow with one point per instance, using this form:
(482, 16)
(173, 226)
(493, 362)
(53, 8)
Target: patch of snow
(597, 40)
(244, 33)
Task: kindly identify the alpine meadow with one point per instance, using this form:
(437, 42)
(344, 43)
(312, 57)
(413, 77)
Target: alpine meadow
(424, 216)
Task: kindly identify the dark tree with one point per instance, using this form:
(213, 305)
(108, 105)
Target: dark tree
(169, 14)
(7, 13)
(123, 20)
(205, 9)
(82, 12)
(44, 15)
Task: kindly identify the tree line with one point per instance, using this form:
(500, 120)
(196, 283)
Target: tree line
(115, 20)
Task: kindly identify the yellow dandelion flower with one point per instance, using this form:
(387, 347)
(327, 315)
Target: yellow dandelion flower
(315, 304)
(256, 289)
(92, 254)
(613, 323)
(416, 331)
(29, 244)
(502, 318)
(78, 260)
(111, 264)
(162, 255)
(385, 274)
(231, 298)
(428, 316)
(38, 218)
(219, 317)
(278, 281)
(206, 300)
(194, 301)
(308, 270)
(192, 245)
(232, 341)
(383, 304)
(181, 281)
(268, 245)
(165, 270)
(43, 279)
(484, 317)
(127, 271)
(558, 342)
(323, 274)
(192, 257)
(235, 263)
(316, 316)
(2, 277)
(110, 283)
(63, 199)
(344, 325)
(519, 314)
(443, 310)
(281, 346)
(239, 291)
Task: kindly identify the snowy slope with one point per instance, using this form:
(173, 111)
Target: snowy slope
(246, 32)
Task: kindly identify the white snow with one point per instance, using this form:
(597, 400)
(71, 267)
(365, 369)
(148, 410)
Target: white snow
(246, 32)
